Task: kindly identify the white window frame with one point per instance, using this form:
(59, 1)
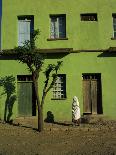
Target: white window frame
(59, 88)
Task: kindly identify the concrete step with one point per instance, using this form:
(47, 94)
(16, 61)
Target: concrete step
(92, 118)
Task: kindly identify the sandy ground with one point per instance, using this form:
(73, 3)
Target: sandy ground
(59, 139)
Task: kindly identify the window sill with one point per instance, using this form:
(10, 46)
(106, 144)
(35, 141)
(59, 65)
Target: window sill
(113, 38)
(58, 98)
(53, 39)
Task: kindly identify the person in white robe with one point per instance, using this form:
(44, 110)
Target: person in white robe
(75, 111)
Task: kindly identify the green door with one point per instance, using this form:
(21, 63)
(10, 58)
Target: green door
(25, 98)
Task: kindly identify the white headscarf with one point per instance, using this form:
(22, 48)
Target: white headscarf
(75, 108)
(75, 101)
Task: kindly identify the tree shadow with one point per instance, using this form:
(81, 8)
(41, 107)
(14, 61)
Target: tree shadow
(8, 84)
(50, 117)
(65, 123)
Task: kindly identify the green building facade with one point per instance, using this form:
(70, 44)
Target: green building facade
(82, 34)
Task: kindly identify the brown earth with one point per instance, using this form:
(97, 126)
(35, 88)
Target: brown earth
(97, 138)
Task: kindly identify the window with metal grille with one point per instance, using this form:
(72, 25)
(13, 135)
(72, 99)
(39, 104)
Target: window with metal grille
(89, 76)
(59, 88)
(24, 77)
(57, 26)
(25, 29)
(114, 25)
(89, 17)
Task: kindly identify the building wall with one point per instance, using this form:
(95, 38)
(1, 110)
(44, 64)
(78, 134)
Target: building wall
(81, 35)
(73, 66)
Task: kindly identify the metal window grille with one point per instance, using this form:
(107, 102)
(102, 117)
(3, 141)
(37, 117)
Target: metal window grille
(59, 88)
(89, 17)
(24, 78)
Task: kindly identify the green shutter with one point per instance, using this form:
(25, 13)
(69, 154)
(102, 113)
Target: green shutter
(25, 98)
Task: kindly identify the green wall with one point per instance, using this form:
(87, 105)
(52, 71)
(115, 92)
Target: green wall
(73, 66)
(81, 35)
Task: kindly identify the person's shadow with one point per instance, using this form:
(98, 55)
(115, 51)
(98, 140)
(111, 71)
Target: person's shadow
(8, 84)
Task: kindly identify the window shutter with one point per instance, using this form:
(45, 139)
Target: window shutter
(57, 28)
(114, 26)
(62, 27)
(52, 29)
(23, 31)
(20, 33)
(27, 30)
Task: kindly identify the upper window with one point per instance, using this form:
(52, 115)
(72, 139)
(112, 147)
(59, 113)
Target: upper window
(114, 25)
(89, 17)
(59, 88)
(25, 28)
(57, 26)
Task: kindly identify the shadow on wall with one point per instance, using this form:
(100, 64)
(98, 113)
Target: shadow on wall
(8, 84)
(56, 55)
(49, 118)
(107, 54)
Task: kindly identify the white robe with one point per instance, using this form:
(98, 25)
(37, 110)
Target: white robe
(75, 109)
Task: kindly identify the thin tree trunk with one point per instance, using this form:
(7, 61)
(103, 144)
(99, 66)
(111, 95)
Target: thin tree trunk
(43, 98)
(40, 118)
(40, 109)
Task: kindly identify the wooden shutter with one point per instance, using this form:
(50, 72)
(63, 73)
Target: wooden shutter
(87, 96)
(94, 96)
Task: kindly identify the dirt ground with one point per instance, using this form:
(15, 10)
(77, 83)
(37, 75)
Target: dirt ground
(59, 139)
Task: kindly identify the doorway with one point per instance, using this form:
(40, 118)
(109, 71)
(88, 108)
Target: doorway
(92, 93)
(26, 96)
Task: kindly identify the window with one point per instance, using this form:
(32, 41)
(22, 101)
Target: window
(58, 26)
(59, 88)
(25, 28)
(89, 17)
(24, 77)
(114, 25)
